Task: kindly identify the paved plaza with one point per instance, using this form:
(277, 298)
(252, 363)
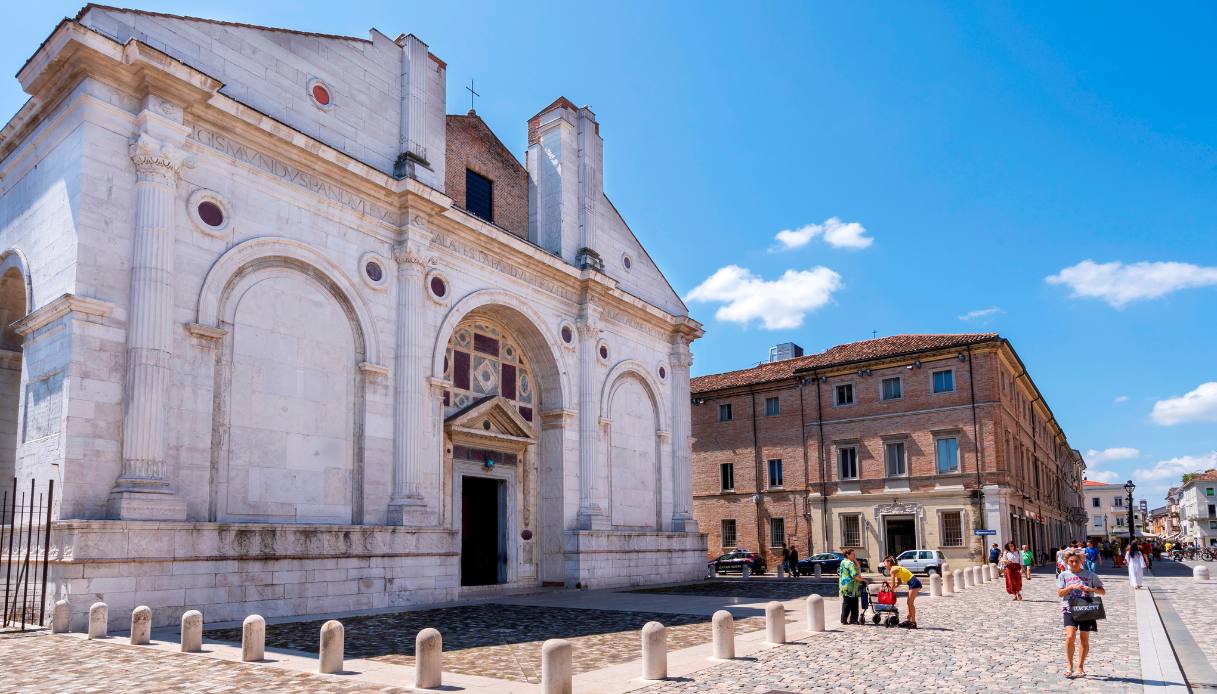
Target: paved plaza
(975, 641)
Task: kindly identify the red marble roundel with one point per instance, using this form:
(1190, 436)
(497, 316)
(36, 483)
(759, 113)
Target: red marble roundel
(321, 95)
(567, 335)
(211, 214)
(438, 287)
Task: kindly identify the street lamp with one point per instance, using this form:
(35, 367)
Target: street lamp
(1129, 487)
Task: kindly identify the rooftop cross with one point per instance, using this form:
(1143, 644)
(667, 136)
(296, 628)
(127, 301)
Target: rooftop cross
(471, 94)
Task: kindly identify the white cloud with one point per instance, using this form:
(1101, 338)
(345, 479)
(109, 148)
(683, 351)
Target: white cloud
(779, 304)
(1120, 399)
(1200, 405)
(1095, 457)
(1119, 284)
(981, 314)
(1104, 476)
(836, 233)
(1173, 468)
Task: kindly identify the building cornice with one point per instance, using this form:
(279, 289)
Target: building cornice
(63, 306)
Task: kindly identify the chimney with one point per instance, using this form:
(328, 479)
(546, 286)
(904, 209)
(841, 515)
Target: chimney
(565, 182)
(786, 350)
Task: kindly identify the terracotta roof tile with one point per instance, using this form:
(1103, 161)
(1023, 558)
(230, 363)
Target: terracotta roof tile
(849, 353)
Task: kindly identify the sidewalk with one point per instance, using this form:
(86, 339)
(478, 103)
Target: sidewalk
(1184, 605)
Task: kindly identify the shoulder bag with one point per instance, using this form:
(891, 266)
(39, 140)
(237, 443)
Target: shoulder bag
(1087, 609)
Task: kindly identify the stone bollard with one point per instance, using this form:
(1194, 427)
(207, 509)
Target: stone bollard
(994, 572)
(1200, 573)
(978, 576)
(781, 571)
(329, 656)
(948, 583)
(654, 651)
(141, 625)
(957, 574)
(99, 616)
(429, 654)
(819, 571)
(723, 626)
(746, 571)
(253, 638)
(969, 577)
(815, 613)
(935, 586)
(60, 617)
(556, 667)
(192, 631)
(775, 622)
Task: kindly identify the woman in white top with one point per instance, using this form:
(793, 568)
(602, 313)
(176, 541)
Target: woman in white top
(1136, 565)
(1011, 563)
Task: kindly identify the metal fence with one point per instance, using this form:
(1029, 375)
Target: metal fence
(25, 545)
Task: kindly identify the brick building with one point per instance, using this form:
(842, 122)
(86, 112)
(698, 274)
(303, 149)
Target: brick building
(909, 441)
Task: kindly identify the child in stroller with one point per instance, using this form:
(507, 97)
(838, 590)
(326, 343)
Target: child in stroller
(885, 608)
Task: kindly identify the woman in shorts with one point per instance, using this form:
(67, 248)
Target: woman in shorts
(899, 575)
(1076, 582)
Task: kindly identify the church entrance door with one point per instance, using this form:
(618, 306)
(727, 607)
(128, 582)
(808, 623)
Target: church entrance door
(483, 531)
(900, 534)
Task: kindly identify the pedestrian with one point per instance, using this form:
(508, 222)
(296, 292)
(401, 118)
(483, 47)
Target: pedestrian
(849, 586)
(1060, 558)
(1092, 557)
(1011, 564)
(1077, 582)
(899, 575)
(1136, 565)
(793, 561)
(785, 565)
(1147, 554)
(1028, 561)
(994, 554)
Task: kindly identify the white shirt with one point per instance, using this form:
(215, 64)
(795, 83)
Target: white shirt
(1012, 558)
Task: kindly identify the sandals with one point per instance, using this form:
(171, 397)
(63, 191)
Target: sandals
(1069, 674)
(1079, 674)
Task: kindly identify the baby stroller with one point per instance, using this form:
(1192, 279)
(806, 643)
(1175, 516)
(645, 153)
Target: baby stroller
(884, 607)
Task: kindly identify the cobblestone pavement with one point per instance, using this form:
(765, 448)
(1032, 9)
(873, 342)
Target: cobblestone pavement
(976, 641)
(772, 589)
(502, 641)
(1174, 590)
(40, 662)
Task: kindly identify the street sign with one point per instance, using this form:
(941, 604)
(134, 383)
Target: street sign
(984, 532)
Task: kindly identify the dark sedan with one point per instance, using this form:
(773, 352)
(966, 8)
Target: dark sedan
(829, 562)
(733, 562)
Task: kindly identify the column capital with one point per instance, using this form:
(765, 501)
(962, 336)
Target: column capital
(406, 254)
(155, 159)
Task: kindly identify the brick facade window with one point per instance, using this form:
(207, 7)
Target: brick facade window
(777, 532)
(851, 530)
(847, 459)
(479, 195)
(952, 528)
(892, 389)
(946, 450)
(775, 472)
(894, 460)
(727, 476)
(844, 394)
(772, 407)
(728, 526)
(944, 381)
(724, 413)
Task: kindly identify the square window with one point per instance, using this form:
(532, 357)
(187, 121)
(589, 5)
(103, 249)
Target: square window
(728, 532)
(479, 195)
(1095, 502)
(771, 407)
(851, 530)
(1208, 491)
(952, 528)
(893, 456)
(892, 389)
(727, 476)
(777, 532)
(775, 472)
(848, 463)
(947, 452)
(845, 394)
(944, 381)
(724, 413)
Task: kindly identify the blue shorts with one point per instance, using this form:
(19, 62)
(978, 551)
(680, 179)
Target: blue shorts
(914, 583)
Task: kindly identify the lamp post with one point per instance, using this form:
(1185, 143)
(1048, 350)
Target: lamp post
(1129, 487)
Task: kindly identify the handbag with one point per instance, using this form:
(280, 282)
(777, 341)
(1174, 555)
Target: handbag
(1087, 609)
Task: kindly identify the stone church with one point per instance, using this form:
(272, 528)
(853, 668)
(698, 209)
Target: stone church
(290, 339)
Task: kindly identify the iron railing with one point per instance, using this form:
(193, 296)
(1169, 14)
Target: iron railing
(25, 546)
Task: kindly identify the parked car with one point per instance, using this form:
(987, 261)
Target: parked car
(733, 562)
(829, 563)
(918, 560)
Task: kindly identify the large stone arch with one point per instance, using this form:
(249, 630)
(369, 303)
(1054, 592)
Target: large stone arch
(632, 415)
(16, 301)
(330, 373)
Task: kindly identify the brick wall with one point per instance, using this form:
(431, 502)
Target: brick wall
(472, 145)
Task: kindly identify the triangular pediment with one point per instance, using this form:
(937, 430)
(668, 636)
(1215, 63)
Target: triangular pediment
(491, 417)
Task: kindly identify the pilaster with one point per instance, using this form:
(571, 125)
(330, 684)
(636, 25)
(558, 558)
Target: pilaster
(592, 514)
(410, 391)
(682, 463)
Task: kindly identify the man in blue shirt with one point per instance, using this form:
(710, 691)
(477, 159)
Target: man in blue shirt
(1092, 556)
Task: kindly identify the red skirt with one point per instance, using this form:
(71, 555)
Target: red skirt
(1014, 579)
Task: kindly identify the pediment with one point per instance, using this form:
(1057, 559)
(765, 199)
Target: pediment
(492, 418)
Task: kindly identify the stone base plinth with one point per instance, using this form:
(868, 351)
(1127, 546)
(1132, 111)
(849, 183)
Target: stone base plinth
(612, 559)
(147, 506)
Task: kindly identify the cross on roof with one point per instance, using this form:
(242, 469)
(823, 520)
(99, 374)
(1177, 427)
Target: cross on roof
(471, 94)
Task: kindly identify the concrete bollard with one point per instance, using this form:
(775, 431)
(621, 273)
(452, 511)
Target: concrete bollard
(723, 626)
(957, 574)
(556, 669)
(141, 625)
(819, 572)
(978, 576)
(815, 613)
(429, 665)
(654, 651)
(948, 583)
(775, 622)
(1200, 573)
(192, 631)
(746, 571)
(969, 577)
(935, 586)
(60, 617)
(994, 572)
(253, 638)
(781, 571)
(329, 656)
(99, 618)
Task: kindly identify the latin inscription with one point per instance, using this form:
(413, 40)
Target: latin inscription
(478, 255)
(43, 407)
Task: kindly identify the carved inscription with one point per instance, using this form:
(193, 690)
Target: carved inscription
(248, 155)
(43, 407)
(478, 255)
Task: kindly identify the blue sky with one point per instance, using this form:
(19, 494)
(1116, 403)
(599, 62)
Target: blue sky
(982, 149)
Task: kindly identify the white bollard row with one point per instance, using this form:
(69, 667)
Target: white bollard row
(723, 628)
(99, 616)
(253, 638)
(969, 578)
(936, 586)
(192, 631)
(960, 582)
(1200, 573)
(556, 667)
(948, 583)
(141, 626)
(654, 651)
(815, 613)
(775, 623)
(60, 617)
(329, 656)
(429, 654)
(819, 572)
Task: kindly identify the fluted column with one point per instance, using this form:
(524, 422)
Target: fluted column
(682, 460)
(142, 489)
(591, 514)
(409, 385)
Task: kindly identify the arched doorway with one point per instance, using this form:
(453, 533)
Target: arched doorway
(14, 305)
